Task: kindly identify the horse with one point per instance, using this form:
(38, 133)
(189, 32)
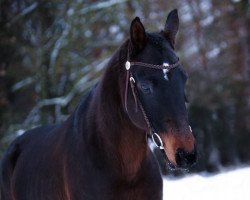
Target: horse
(101, 151)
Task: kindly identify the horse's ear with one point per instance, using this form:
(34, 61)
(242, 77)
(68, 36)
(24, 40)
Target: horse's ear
(137, 34)
(172, 26)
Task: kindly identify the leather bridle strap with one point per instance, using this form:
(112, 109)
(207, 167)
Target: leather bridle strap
(131, 81)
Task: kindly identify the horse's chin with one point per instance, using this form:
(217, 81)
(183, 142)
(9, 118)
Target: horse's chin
(173, 166)
(170, 164)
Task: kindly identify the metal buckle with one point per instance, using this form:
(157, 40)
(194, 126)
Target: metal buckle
(160, 143)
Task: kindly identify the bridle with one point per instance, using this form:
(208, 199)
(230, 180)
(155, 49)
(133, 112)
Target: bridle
(131, 81)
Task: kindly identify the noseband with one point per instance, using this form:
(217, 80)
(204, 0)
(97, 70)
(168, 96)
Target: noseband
(131, 81)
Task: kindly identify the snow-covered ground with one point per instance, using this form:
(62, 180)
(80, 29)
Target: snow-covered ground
(229, 185)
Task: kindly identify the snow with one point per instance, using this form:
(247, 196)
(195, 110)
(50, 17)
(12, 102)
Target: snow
(230, 185)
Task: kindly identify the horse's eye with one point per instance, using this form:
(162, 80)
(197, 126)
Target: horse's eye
(146, 88)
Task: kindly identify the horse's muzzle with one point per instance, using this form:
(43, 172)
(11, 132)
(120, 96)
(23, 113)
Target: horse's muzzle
(185, 159)
(180, 149)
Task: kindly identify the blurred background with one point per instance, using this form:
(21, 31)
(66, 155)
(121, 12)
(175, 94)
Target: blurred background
(52, 52)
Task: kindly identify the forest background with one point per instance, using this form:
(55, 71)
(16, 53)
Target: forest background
(52, 52)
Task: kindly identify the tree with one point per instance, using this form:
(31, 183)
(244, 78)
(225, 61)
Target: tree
(52, 52)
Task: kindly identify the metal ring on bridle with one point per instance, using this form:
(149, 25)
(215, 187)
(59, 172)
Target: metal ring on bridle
(160, 143)
(132, 79)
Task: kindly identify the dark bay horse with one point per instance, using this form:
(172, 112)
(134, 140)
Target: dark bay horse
(101, 151)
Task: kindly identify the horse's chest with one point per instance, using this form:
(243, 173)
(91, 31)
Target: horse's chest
(107, 186)
(127, 193)
(140, 193)
(135, 193)
(102, 188)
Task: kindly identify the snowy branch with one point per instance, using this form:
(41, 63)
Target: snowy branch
(82, 85)
(57, 47)
(19, 85)
(100, 5)
(24, 12)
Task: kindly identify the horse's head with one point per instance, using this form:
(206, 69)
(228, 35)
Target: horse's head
(161, 92)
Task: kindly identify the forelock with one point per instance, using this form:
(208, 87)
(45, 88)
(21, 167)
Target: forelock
(156, 39)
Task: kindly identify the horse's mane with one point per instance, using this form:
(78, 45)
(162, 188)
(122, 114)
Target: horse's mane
(120, 55)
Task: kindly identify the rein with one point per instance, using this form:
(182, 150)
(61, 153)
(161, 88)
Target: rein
(131, 81)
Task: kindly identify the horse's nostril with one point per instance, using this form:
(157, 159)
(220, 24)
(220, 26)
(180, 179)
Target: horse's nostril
(185, 159)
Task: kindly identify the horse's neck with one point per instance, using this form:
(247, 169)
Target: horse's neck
(121, 142)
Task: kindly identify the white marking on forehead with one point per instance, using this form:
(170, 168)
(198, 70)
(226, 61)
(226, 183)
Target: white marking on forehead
(165, 64)
(165, 71)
